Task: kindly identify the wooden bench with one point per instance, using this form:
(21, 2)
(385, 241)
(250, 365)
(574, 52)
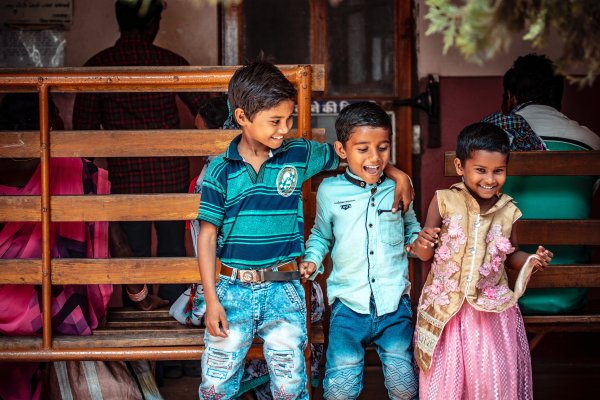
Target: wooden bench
(550, 232)
(127, 334)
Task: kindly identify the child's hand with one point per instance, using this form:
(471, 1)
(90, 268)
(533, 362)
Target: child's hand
(307, 268)
(428, 238)
(216, 320)
(543, 258)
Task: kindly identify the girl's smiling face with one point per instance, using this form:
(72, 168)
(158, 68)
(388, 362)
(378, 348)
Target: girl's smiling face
(484, 174)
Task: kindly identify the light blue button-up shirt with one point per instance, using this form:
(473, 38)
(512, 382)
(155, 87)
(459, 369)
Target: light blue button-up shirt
(355, 221)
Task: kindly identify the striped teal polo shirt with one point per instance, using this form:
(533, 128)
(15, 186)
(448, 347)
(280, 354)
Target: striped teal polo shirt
(260, 215)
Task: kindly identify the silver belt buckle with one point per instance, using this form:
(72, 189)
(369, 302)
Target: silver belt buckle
(249, 276)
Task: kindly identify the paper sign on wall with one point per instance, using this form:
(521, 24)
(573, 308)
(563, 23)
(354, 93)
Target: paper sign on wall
(36, 12)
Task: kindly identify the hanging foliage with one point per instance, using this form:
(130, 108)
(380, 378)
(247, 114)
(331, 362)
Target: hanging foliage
(479, 29)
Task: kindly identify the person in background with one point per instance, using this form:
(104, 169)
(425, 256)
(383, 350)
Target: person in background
(76, 309)
(139, 22)
(531, 104)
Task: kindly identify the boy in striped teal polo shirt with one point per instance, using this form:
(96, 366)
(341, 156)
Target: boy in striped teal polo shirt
(251, 202)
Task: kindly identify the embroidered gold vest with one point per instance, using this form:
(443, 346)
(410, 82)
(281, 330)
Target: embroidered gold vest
(468, 265)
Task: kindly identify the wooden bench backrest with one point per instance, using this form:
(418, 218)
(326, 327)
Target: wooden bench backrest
(550, 232)
(46, 208)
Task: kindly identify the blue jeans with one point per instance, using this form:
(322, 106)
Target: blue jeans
(276, 312)
(349, 335)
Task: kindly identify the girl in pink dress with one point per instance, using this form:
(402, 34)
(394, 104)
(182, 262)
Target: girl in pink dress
(470, 337)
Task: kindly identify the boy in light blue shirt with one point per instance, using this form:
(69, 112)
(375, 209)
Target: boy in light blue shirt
(368, 288)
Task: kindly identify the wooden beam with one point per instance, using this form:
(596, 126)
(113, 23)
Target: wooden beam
(123, 207)
(171, 142)
(137, 79)
(543, 163)
(554, 232)
(562, 276)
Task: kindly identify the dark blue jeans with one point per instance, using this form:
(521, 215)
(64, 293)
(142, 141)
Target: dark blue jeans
(350, 333)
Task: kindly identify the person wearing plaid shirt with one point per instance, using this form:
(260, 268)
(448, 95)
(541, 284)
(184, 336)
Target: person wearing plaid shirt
(139, 23)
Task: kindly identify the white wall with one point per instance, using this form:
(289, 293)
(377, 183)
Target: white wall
(188, 27)
(431, 60)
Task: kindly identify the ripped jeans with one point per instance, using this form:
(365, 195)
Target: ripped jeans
(350, 333)
(276, 312)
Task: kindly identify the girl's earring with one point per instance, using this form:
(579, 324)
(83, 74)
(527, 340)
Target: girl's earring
(462, 178)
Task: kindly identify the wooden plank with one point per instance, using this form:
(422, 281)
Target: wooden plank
(125, 270)
(21, 272)
(543, 163)
(20, 208)
(562, 319)
(184, 336)
(555, 232)
(146, 79)
(148, 143)
(557, 276)
(134, 207)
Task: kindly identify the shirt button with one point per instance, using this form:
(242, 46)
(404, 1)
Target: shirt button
(371, 252)
(370, 225)
(372, 204)
(373, 280)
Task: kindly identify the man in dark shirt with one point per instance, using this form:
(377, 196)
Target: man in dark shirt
(139, 24)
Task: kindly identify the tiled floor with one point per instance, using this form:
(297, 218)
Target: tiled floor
(565, 366)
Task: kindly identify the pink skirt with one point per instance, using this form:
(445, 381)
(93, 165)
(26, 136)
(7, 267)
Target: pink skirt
(480, 355)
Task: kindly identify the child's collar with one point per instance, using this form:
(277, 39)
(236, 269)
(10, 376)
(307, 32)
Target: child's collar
(232, 152)
(359, 182)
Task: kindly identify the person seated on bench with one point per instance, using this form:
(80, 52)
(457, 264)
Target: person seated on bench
(252, 194)
(368, 288)
(76, 309)
(468, 318)
(532, 99)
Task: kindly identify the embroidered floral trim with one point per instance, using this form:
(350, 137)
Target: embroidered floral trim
(426, 340)
(433, 321)
(492, 293)
(442, 267)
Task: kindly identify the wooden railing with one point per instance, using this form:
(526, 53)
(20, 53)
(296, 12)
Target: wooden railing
(106, 344)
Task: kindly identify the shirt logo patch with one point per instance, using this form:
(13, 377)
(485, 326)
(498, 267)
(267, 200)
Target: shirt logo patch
(287, 179)
(345, 206)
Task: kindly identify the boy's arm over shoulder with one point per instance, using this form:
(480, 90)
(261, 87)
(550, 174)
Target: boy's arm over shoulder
(319, 157)
(321, 237)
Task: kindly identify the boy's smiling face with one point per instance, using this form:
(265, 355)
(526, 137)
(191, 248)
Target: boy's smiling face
(367, 152)
(268, 127)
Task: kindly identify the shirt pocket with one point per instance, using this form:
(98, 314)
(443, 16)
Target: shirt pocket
(391, 228)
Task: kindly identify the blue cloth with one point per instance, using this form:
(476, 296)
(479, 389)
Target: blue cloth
(260, 214)
(350, 333)
(367, 243)
(276, 312)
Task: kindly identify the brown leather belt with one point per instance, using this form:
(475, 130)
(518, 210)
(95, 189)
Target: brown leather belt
(287, 271)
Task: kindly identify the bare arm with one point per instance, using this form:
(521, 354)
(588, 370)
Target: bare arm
(424, 246)
(516, 259)
(214, 318)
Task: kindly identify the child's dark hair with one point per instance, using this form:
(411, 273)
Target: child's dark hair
(481, 136)
(363, 113)
(259, 86)
(214, 111)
